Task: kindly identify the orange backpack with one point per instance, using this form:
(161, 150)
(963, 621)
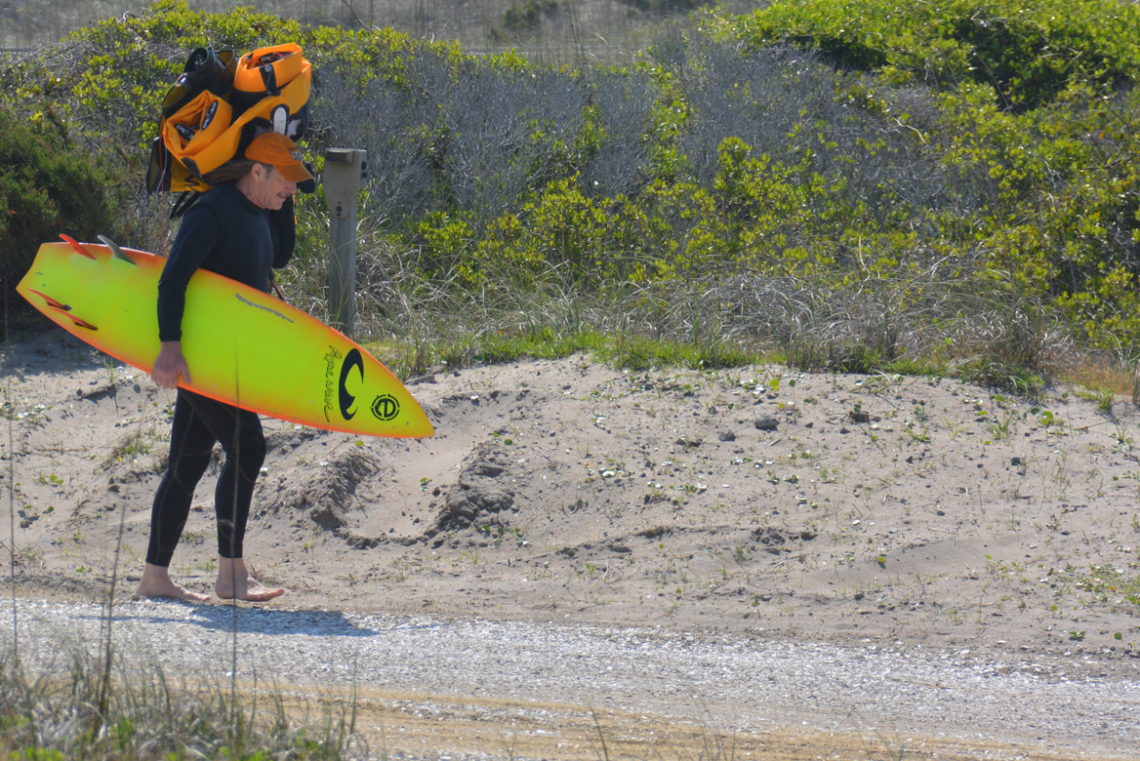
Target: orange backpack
(219, 104)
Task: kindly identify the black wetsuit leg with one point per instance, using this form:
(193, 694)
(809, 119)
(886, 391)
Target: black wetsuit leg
(199, 422)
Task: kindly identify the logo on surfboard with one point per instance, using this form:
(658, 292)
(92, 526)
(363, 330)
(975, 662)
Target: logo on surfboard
(352, 361)
(385, 407)
(338, 395)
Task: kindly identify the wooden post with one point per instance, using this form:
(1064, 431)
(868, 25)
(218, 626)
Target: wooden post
(344, 169)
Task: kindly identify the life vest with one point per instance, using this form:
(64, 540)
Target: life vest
(219, 104)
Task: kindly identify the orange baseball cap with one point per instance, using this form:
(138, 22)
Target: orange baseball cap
(279, 151)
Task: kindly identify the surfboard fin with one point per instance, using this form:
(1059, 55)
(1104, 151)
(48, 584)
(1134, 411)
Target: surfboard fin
(81, 323)
(54, 304)
(76, 246)
(116, 251)
(58, 306)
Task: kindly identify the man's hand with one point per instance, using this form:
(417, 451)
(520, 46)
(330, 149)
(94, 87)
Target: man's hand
(170, 365)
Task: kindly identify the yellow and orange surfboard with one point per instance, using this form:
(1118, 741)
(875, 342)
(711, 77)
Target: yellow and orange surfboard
(243, 346)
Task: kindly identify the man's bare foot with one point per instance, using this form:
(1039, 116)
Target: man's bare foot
(236, 582)
(251, 591)
(156, 582)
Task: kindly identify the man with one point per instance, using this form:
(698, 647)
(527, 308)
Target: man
(235, 230)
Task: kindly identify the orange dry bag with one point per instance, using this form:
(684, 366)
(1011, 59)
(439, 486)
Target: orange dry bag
(219, 104)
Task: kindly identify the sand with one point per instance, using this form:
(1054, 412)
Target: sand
(756, 500)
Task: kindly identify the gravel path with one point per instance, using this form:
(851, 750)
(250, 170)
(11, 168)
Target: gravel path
(1078, 707)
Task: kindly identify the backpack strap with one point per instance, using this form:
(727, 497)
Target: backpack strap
(185, 202)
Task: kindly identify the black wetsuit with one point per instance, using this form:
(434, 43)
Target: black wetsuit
(225, 233)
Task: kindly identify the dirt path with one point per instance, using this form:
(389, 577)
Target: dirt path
(428, 688)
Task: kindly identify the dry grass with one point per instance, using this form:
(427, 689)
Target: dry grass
(1102, 375)
(65, 707)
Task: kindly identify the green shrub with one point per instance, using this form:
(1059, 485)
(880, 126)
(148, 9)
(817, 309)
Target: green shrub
(48, 186)
(527, 15)
(1028, 51)
(952, 183)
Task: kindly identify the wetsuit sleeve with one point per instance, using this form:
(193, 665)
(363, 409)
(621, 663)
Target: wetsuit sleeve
(283, 223)
(197, 237)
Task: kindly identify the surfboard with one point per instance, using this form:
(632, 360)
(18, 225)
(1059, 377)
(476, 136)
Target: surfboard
(244, 347)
